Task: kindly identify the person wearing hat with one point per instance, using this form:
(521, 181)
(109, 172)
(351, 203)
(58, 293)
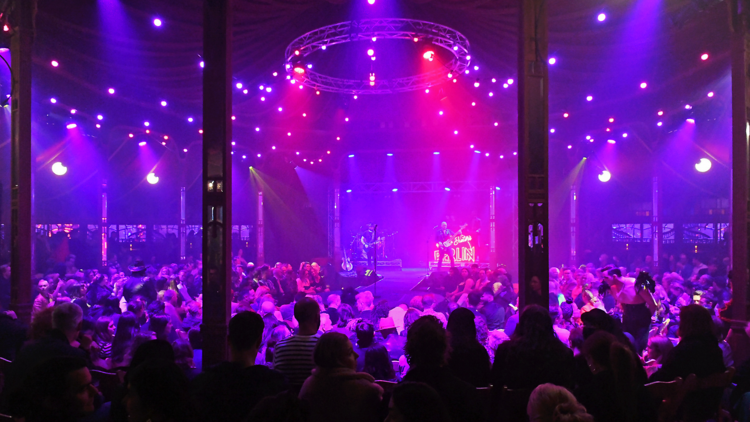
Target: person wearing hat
(138, 284)
(638, 304)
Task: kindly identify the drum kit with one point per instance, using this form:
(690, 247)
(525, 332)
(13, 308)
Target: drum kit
(383, 245)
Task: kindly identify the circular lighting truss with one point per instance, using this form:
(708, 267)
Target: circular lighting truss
(365, 30)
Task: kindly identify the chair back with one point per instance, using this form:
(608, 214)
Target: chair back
(508, 404)
(388, 386)
(671, 394)
(717, 380)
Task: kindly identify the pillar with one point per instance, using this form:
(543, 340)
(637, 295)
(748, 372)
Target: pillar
(493, 219)
(573, 226)
(740, 166)
(337, 218)
(261, 231)
(183, 224)
(533, 153)
(21, 178)
(104, 224)
(217, 178)
(656, 229)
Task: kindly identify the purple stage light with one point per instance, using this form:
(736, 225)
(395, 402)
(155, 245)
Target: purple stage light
(394, 190)
(589, 98)
(688, 107)
(234, 143)
(202, 64)
(691, 121)
(710, 94)
(611, 141)
(389, 154)
(100, 117)
(502, 156)
(552, 130)
(351, 155)
(471, 146)
(346, 119)
(257, 129)
(111, 90)
(238, 85)
(510, 81)
(190, 120)
(71, 126)
(704, 56)
(289, 134)
(491, 94)
(54, 63)
(476, 84)
(163, 103)
(566, 115)
(53, 100)
(184, 150)
(157, 22)
(496, 123)
(588, 137)
(348, 191)
(570, 146)
(436, 153)
(476, 67)
(98, 126)
(147, 124)
(268, 89)
(281, 109)
(262, 98)
(142, 144)
(624, 135)
(447, 189)
(370, 2)
(660, 113)
(552, 60)
(477, 152)
(487, 154)
(643, 85)
(73, 111)
(370, 52)
(659, 124)
(601, 17)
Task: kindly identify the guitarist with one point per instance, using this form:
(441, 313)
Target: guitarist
(441, 236)
(368, 243)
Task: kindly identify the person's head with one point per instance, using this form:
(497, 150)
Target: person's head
(696, 261)
(42, 285)
(428, 300)
(416, 303)
(67, 317)
(183, 354)
(536, 284)
(315, 269)
(157, 390)
(365, 334)
(378, 363)
(604, 352)
(461, 325)
(426, 343)
(444, 225)
(695, 321)
(160, 325)
(334, 301)
(464, 273)
(365, 301)
(104, 330)
(416, 402)
(554, 273)
(535, 325)
(487, 294)
(552, 403)
(60, 388)
(474, 299)
(658, 348)
(147, 348)
(567, 275)
(307, 313)
(334, 350)
(410, 316)
(245, 332)
(346, 313)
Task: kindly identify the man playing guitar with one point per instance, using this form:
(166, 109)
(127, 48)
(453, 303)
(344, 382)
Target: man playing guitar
(444, 237)
(369, 243)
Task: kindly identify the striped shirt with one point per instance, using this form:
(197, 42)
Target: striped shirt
(293, 357)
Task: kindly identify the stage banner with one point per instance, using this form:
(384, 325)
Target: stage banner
(465, 249)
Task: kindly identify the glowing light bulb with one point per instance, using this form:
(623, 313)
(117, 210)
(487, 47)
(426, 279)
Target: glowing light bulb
(157, 22)
(605, 176)
(163, 103)
(152, 178)
(704, 56)
(601, 17)
(703, 165)
(59, 169)
(54, 63)
(552, 60)
(190, 119)
(111, 90)
(643, 85)
(589, 98)
(371, 52)
(53, 100)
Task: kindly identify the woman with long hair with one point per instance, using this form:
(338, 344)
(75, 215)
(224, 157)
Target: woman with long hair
(127, 327)
(468, 359)
(614, 393)
(104, 334)
(304, 279)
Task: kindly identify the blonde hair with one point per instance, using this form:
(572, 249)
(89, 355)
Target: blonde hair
(551, 403)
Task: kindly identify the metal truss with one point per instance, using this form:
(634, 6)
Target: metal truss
(418, 187)
(366, 29)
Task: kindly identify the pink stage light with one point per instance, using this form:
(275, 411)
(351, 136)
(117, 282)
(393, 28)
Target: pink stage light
(130, 135)
(570, 146)
(496, 123)
(552, 60)
(257, 129)
(53, 100)
(111, 90)
(643, 85)
(660, 113)
(239, 85)
(163, 103)
(552, 130)
(71, 126)
(589, 98)
(370, 2)
(611, 119)
(704, 56)
(147, 124)
(73, 111)
(184, 150)
(429, 55)
(565, 115)
(142, 144)
(98, 126)
(371, 52)
(691, 121)
(659, 124)
(54, 63)
(611, 141)
(710, 94)
(427, 91)
(688, 107)
(100, 117)
(190, 119)
(157, 22)
(601, 17)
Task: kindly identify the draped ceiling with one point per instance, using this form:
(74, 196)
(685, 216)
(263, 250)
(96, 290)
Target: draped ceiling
(113, 43)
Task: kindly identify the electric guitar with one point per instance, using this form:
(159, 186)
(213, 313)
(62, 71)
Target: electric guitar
(377, 241)
(447, 243)
(346, 264)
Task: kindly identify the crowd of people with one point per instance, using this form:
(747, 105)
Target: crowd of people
(305, 348)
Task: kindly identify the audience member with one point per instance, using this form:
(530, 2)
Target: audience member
(158, 391)
(229, 390)
(468, 359)
(416, 402)
(335, 391)
(293, 356)
(552, 403)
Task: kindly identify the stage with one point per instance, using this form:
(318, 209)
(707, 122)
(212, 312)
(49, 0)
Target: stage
(397, 284)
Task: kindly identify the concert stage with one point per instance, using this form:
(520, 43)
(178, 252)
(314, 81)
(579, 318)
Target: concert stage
(397, 284)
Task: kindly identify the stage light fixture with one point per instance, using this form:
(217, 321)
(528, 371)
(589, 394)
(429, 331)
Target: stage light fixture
(275, 74)
(659, 124)
(99, 117)
(142, 144)
(53, 100)
(589, 98)
(54, 63)
(447, 189)
(624, 135)
(473, 103)
(389, 154)
(147, 124)
(351, 155)
(496, 124)
(157, 22)
(289, 134)
(59, 169)
(394, 190)
(505, 85)
(436, 153)
(643, 85)
(477, 152)
(429, 55)
(244, 157)
(471, 146)
(476, 84)
(257, 129)
(416, 39)
(111, 90)
(494, 80)
(281, 109)
(552, 60)
(602, 17)
(152, 178)
(450, 74)
(467, 71)
(688, 107)
(611, 119)
(73, 111)
(703, 165)
(455, 132)
(371, 52)
(163, 103)
(299, 69)
(492, 94)
(710, 94)
(570, 146)
(502, 156)
(239, 85)
(328, 152)
(427, 90)
(98, 126)
(660, 113)
(565, 115)
(262, 98)
(440, 113)
(190, 120)
(605, 176)
(552, 130)
(691, 121)
(371, 2)
(71, 126)
(202, 64)
(258, 155)
(166, 137)
(184, 150)
(468, 57)
(611, 141)
(476, 67)
(234, 143)
(704, 56)
(515, 153)
(130, 135)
